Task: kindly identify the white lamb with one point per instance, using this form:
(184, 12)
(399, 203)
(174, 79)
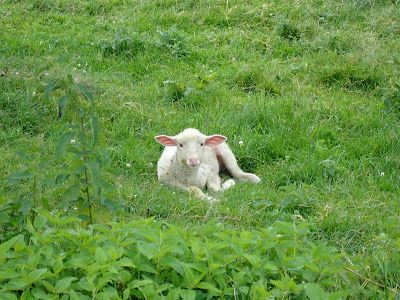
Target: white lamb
(192, 160)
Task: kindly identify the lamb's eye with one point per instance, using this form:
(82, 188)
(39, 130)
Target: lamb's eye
(181, 145)
(202, 144)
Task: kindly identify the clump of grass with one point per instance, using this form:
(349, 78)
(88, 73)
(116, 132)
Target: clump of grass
(289, 32)
(122, 44)
(254, 79)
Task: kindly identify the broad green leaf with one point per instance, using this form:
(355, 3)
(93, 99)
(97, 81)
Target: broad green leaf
(126, 262)
(78, 296)
(8, 296)
(109, 204)
(315, 292)
(84, 218)
(63, 284)
(207, 286)
(40, 221)
(87, 93)
(189, 275)
(172, 262)
(126, 294)
(138, 283)
(100, 256)
(340, 295)
(71, 194)
(8, 275)
(49, 217)
(50, 182)
(149, 250)
(26, 207)
(48, 286)
(38, 293)
(95, 175)
(188, 294)
(20, 175)
(37, 275)
(62, 103)
(15, 284)
(62, 142)
(67, 220)
(271, 265)
(95, 129)
(4, 247)
(52, 86)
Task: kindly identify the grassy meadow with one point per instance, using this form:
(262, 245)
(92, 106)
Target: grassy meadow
(308, 94)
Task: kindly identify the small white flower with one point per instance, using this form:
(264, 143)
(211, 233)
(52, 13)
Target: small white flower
(271, 14)
(241, 143)
(173, 193)
(135, 196)
(73, 142)
(278, 235)
(74, 207)
(74, 69)
(92, 44)
(128, 165)
(79, 65)
(150, 165)
(83, 71)
(16, 73)
(34, 93)
(233, 59)
(382, 174)
(46, 74)
(264, 5)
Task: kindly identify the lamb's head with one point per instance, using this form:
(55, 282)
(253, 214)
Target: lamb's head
(190, 145)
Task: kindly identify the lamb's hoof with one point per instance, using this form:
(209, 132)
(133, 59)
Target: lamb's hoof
(212, 200)
(252, 177)
(228, 184)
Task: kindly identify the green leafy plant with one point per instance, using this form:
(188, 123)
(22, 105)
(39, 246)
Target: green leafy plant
(83, 174)
(145, 259)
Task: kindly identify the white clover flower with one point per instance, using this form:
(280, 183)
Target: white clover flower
(150, 165)
(16, 73)
(79, 65)
(278, 235)
(128, 165)
(74, 207)
(74, 69)
(233, 59)
(46, 74)
(73, 142)
(241, 143)
(33, 93)
(135, 196)
(382, 174)
(264, 5)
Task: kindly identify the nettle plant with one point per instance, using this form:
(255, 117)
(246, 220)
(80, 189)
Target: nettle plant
(79, 147)
(145, 259)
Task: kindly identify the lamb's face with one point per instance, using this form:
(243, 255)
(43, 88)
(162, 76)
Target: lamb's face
(190, 145)
(190, 149)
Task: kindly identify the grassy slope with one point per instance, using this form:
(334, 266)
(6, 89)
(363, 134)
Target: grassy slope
(300, 83)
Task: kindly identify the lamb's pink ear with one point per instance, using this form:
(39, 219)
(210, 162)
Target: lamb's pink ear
(215, 140)
(165, 140)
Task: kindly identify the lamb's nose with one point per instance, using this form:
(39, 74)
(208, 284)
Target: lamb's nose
(194, 161)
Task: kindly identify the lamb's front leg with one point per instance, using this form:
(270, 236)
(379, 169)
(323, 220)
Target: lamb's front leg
(197, 192)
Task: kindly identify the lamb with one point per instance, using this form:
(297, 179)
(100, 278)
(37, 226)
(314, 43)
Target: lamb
(192, 160)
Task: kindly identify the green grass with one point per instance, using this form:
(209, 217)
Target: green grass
(310, 87)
